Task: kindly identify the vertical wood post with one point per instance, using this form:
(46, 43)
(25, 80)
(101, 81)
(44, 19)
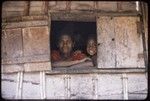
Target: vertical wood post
(19, 85)
(125, 86)
(143, 32)
(42, 85)
(95, 86)
(67, 86)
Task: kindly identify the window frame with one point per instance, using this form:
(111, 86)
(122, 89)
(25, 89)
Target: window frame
(55, 16)
(95, 69)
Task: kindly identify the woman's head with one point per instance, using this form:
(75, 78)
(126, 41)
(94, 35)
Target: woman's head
(65, 44)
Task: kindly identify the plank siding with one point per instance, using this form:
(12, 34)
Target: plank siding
(128, 42)
(106, 45)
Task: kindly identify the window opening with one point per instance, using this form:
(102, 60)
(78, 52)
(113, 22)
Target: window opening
(73, 44)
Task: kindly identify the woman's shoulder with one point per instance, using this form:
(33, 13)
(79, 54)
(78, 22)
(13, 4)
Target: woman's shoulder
(55, 55)
(78, 55)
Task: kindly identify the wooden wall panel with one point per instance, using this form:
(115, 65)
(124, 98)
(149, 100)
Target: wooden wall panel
(82, 5)
(73, 17)
(119, 43)
(128, 6)
(8, 68)
(57, 5)
(55, 87)
(128, 42)
(107, 6)
(138, 96)
(31, 86)
(21, 8)
(13, 8)
(37, 8)
(12, 44)
(37, 66)
(8, 85)
(36, 41)
(109, 85)
(137, 83)
(81, 87)
(106, 42)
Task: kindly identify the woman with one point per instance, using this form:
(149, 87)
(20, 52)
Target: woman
(65, 57)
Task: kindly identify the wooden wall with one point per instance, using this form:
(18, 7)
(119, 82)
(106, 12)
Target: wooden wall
(26, 65)
(76, 86)
(25, 45)
(25, 8)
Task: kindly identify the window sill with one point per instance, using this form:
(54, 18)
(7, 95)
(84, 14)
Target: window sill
(87, 70)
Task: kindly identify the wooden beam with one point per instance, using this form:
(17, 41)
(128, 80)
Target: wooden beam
(119, 6)
(142, 19)
(46, 3)
(27, 8)
(25, 24)
(95, 70)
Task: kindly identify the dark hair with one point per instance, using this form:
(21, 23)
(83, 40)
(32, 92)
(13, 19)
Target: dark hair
(91, 36)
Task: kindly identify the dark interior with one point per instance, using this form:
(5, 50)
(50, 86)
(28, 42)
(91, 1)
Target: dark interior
(79, 31)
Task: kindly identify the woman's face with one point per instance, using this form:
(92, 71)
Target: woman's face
(91, 47)
(65, 44)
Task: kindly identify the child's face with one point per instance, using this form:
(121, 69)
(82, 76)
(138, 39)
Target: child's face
(91, 47)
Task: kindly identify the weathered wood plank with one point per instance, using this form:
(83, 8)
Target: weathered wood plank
(128, 6)
(88, 17)
(15, 8)
(102, 70)
(81, 87)
(55, 87)
(32, 18)
(27, 59)
(36, 41)
(40, 66)
(138, 96)
(12, 68)
(107, 6)
(13, 3)
(57, 5)
(12, 43)
(12, 14)
(109, 85)
(25, 18)
(8, 85)
(26, 66)
(111, 97)
(82, 5)
(137, 83)
(106, 42)
(24, 24)
(36, 3)
(31, 86)
(128, 44)
(37, 8)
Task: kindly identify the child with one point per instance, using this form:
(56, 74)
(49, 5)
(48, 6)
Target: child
(91, 49)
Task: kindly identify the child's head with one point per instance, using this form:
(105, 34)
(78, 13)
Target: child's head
(91, 46)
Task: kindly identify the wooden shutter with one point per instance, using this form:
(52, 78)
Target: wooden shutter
(36, 48)
(26, 48)
(12, 50)
(106, 45)
(119, 43)
(129, 49)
